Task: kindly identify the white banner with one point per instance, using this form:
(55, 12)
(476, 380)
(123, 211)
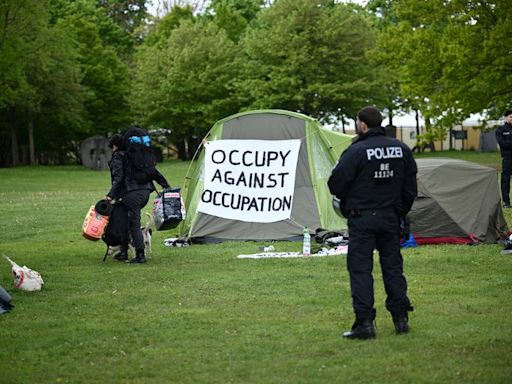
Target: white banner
(250, 180)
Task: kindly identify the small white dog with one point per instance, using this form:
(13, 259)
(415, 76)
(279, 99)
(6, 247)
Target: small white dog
(147, 234)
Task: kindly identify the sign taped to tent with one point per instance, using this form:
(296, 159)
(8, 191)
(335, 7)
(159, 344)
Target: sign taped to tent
(250, 180)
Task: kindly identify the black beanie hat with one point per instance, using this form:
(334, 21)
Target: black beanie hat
(116, 140)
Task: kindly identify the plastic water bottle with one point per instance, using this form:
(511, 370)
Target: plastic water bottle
(306, 245)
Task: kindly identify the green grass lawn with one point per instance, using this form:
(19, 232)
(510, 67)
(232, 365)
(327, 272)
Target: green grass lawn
(200, 315)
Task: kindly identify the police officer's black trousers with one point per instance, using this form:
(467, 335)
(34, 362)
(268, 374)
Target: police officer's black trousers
(135, 201)
(369, 230)
(506, 170)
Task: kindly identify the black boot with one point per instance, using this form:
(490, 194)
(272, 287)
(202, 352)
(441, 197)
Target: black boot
(122, 255)
(363, 327)
(401, 321)
(139, 257)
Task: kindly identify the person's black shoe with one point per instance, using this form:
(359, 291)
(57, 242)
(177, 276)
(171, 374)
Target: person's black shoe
(362, 330)
(401, 324)
(508, 248)
(137, 260)
(401, 321)
(121, 256)
(139, 257)
(507, 205)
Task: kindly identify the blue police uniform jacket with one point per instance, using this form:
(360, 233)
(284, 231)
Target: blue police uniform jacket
(504, 137)
(375, 172)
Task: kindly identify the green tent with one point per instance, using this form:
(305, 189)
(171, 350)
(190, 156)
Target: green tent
(262, 175)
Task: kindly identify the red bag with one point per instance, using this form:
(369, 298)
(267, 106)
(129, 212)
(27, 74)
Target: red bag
(94, 224)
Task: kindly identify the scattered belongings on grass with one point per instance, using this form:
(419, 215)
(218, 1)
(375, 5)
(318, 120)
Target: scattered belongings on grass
(339, 250)
(25, 278)
(176, 242)
(5, 301)
(507, 246)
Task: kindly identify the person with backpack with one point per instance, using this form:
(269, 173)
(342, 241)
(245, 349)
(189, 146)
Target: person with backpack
(133, 170)
(117, 233)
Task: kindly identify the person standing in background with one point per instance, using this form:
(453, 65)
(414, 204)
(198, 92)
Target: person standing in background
(504, 138)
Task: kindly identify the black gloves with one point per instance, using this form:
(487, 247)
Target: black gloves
(405, 227)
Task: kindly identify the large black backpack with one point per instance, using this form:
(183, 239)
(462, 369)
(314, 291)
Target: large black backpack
(116, 232)
(140, 160)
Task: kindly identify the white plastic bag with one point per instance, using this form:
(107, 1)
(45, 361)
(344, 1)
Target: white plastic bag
(168, 210)
(25, 278)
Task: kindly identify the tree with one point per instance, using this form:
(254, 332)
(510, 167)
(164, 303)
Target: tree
(165, 6)
(478, 68)
(164, 26)
(309, 56)
(19, 29)
(56, 110)
(61, 77)
(450, 56)
(234, 15)
(128, 14)
(105, 77)
(37, 70)
(248, 9)
(188, 84)
(383, 18)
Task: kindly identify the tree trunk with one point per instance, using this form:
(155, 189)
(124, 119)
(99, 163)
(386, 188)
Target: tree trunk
(182, 152)
(14, 138)
(193, 145)
(462, 129)
(31, 147)
(428, 127)
(417, 117)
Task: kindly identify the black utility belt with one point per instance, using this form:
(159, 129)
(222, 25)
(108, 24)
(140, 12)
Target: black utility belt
(369, 211)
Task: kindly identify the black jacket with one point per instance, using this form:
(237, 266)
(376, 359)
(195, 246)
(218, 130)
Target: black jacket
(122, 184)
(375, 172)
(504, 137)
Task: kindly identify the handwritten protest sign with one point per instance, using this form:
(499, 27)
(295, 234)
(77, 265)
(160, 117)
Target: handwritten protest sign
(250, 180)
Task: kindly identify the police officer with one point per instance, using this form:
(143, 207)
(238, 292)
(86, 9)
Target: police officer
(375, 180)
(504, 138)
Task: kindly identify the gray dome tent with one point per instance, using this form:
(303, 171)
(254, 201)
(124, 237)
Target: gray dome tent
(458, 202)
